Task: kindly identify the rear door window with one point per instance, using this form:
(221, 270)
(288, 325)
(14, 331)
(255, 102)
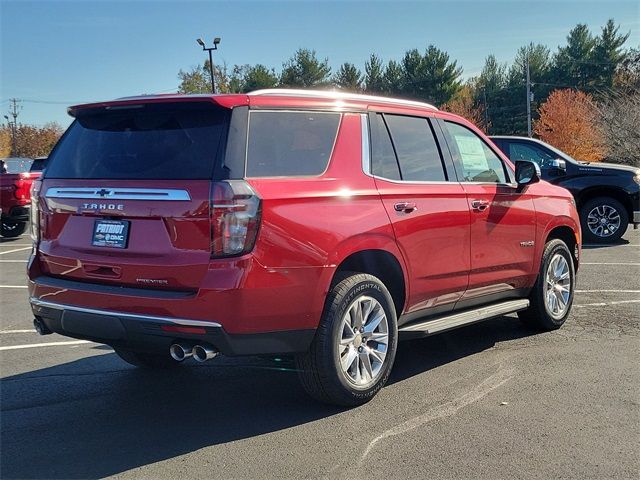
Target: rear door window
(290, 143)
(384, 163)
(521, 151)
(167, 141)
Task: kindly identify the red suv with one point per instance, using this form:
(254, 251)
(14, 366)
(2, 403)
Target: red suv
(317, 224)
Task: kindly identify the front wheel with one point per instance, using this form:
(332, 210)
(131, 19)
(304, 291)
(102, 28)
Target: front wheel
(12, 229)
(552, 295)
(603, 220)
(354, 348)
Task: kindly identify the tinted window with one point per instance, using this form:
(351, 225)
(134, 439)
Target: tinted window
(383, 159)
(522, 151)
(290, 143)
(153, 142)
(416, 147)
(38, 165)
(479, 163)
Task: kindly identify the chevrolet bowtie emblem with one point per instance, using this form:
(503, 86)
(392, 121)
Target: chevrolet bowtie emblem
(103, 192)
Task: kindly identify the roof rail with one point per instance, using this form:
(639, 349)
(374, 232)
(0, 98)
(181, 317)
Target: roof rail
(337, 95)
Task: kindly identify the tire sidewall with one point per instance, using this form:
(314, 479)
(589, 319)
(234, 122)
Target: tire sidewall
(370, 287)
(562, 249)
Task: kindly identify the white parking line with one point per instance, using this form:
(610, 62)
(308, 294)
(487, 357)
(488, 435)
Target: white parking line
(18, 331)
(15, 244)
(607, 263)
(13, 286)
(13, 261)
(607, 291)
(15, 250)
(52, 344)
(604, 304)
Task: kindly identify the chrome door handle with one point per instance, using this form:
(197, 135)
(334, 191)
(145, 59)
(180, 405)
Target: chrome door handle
(480, 205)
(405, 207)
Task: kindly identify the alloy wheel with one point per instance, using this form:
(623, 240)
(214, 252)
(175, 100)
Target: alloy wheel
(364, 338)
(603, 221)
(557, 290)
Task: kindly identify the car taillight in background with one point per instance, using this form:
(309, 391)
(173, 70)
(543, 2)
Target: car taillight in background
(35, 211)
(235, 218)
(22, 185)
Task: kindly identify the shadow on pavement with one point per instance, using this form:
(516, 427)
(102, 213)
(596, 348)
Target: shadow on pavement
(595, 246)
(96, 417)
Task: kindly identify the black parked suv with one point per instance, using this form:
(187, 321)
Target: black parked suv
(607, 195)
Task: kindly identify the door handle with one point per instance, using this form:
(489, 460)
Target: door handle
(480, 205)
(405, 207)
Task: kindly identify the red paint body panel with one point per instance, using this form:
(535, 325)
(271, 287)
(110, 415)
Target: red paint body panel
(309, 225)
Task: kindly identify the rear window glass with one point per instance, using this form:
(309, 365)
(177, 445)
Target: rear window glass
(290, 143)
(153, 142)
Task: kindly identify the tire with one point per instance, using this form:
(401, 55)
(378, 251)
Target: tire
(368, 362)
(146, 360)
(12, 229)
(610, 212)
(541, 314)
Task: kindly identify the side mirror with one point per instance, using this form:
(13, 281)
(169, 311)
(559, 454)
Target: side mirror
(527, 172)
(559, 164)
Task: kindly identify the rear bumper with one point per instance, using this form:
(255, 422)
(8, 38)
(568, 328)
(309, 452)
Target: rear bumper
(16, 214)
(150, 333)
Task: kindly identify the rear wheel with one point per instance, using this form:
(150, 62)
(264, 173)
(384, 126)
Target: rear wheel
(12, 229)
(552, 295)
(603, 220)
(354, 348)
(146, 360)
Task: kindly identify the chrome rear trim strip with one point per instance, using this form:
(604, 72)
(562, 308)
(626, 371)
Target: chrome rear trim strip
(122, 193)
(133, 316)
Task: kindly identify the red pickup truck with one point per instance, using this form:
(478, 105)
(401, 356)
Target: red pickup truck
(15, 197)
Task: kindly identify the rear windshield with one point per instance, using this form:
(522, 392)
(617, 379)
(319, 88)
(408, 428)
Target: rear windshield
(290, 143)
(171, 141)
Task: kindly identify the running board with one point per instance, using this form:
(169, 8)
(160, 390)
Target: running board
(455, 320)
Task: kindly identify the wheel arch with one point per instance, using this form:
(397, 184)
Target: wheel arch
(381, 264)
(605, 191)
(568, 236)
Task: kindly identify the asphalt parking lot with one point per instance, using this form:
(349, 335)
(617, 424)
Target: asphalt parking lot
(491, 401)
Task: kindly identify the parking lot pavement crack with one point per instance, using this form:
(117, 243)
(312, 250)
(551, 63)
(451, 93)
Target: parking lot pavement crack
(502, 376)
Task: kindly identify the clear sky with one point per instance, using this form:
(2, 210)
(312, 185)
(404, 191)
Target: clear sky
(57, 53)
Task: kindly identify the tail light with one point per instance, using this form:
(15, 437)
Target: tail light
(35, 211)
(22, 185)
(235, 218)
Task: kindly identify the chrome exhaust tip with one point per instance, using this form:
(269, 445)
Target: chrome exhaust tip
(202, 353)
(40, 327)
(180, 352)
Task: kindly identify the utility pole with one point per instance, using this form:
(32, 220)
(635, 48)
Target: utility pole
(486, 114)
(14, 110)
(528, 99)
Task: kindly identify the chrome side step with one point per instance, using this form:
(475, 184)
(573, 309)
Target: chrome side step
(455, 320)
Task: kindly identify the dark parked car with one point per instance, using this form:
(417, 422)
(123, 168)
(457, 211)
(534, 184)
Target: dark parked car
(314, 224)
(607, 195)
(39, 163)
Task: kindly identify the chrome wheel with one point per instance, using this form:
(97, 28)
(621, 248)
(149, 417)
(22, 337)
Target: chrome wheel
(603, 220)
(557, 290)
(364, 337)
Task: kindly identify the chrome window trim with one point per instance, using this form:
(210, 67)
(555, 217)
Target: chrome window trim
(119, 193)
(134, 316)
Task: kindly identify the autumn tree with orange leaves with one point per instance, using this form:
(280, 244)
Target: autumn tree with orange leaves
(568, 121)
(463, 104)
(31, 141)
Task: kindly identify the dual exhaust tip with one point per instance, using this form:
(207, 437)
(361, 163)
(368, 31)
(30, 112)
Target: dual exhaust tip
(201, 353)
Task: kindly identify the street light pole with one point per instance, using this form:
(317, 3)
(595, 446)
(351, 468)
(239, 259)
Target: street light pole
(216, 41)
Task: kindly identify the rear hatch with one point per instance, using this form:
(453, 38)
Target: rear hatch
(125, 198)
